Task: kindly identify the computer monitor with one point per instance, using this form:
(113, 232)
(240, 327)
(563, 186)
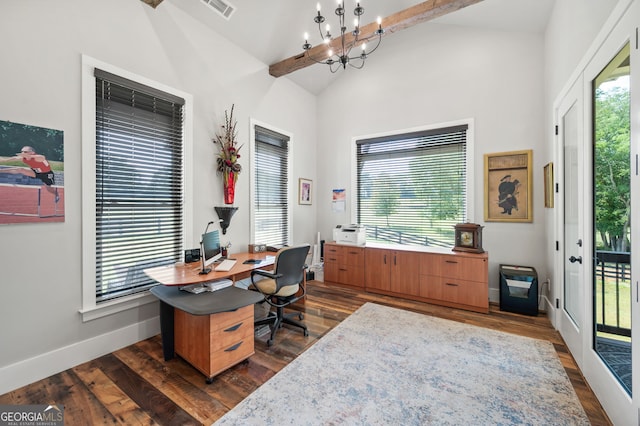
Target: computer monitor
(210, 249)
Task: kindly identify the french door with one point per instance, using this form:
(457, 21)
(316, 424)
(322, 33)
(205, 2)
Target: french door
(571, 313)
(590, 246)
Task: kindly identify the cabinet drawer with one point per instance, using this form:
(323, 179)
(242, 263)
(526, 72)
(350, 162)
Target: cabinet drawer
(352, 256)
(227, 319)
(350, 275)
(226, 337)
(464, 268)
(344, 255)
(230, 355)
(471, 293)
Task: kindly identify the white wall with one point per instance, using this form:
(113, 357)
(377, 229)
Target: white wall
(40, 264)
(433, 74)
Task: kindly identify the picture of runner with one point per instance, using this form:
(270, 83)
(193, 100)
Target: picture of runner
(38, 167)
(31, 174)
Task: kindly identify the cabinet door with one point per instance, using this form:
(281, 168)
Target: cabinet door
(405, 272)
(431, 287)
(377, 270)
(331, 271)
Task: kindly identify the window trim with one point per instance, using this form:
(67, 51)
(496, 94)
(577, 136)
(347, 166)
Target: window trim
(90, 310)
(252, 167)
(470, 210)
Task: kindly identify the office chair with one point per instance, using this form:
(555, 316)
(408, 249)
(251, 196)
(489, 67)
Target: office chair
(279, 287)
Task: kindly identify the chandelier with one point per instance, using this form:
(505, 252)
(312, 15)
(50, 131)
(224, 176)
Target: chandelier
(347, 40)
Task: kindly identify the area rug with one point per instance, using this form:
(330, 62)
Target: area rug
(384, 366)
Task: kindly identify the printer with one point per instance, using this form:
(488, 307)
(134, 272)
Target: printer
(352, 234)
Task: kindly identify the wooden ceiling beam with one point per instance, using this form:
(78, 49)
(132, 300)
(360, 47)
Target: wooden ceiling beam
(409, 17)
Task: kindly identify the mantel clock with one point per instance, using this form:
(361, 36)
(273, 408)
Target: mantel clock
(468, 238)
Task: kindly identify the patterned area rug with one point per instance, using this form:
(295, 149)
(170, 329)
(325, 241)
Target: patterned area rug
(388, 366)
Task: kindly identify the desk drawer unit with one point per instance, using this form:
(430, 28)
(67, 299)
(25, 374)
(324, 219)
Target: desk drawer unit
(216, 342)
(344, 264)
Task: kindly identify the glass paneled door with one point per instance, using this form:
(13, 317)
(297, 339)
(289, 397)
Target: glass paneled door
(571, 315)
(612, 218)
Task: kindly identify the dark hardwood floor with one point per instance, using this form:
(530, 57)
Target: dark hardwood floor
(136, 386)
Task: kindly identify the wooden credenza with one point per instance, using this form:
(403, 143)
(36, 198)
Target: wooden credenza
(212, 343)
(428, 274)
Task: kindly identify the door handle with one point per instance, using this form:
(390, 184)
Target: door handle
(574, 259)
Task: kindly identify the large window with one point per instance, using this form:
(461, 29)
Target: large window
(411, 188)
(138, 183)
(271, 200)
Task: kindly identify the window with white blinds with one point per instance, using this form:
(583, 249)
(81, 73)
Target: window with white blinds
(411, 188)
(139, 183)
(271, 205)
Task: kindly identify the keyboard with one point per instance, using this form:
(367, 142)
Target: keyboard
(194, 288)
(218, 285)
(225, 265)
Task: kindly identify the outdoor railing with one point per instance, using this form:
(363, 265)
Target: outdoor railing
(613, 278)
(378, 233)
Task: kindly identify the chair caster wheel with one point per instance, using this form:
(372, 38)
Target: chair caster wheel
(270, 342)
(306, 333)
(209, 380)
(300, 316)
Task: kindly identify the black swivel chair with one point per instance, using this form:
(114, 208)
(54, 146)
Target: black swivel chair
(280, 287)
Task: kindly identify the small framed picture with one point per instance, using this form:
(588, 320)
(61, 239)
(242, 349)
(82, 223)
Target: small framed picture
(548, 185)
(304, 191)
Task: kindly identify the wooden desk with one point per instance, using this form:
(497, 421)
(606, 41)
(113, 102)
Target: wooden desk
(212, 331)
(188, 273)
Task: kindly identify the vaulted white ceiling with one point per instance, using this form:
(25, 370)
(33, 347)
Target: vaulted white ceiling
(272, 30)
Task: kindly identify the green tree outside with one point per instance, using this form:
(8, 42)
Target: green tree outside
(612, 169)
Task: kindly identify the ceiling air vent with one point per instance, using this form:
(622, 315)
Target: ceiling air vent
(224, 8)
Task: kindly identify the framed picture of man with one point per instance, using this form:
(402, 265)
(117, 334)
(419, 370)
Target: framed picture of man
(508, 192)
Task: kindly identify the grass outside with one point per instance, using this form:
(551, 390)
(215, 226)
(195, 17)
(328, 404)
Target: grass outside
(614, 305)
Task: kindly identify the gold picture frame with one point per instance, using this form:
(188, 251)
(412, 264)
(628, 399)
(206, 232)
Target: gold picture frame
(508, 187)
(304, 191)
(548, 185)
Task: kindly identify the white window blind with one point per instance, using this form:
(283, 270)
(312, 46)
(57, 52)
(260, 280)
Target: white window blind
(139, 183)
(271, 209)
(411, 188)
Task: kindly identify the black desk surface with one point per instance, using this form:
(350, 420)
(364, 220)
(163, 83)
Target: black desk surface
(206, 303)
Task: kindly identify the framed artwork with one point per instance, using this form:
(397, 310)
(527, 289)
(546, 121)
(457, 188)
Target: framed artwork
(304, 191)
(548, 185)
(31, 174)
(508, 191)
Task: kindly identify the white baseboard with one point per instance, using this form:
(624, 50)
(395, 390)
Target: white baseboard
(42, 366)
(494, 295)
